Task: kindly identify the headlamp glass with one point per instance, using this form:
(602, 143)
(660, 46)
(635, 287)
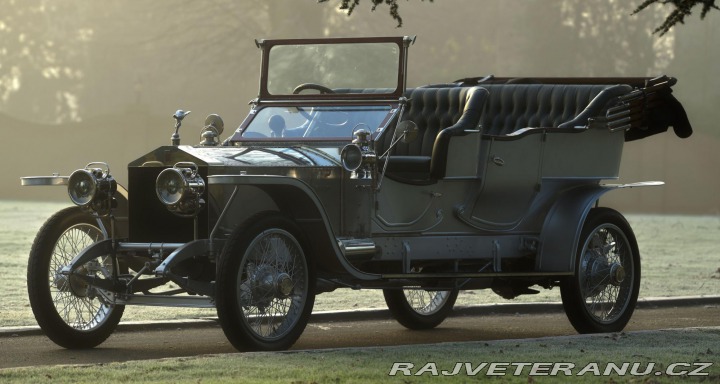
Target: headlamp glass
(180, 189)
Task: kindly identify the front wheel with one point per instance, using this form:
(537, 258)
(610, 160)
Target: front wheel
(418, 308)
(71, 312)
(264, 290)
(602, 294)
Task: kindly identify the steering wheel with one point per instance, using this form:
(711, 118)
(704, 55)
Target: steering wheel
(323, 89)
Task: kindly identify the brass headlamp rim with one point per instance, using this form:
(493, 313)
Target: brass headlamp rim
(102, 185)
(190, 189)
(73, 186)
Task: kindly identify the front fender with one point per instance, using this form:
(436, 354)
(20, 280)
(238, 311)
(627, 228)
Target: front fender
(561, 230)
(295, 197)
(120, 212)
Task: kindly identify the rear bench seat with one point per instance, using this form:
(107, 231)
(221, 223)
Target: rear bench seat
(511, 107)
(496, 109)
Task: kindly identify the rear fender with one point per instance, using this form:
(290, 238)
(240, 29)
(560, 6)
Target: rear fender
(561, 230)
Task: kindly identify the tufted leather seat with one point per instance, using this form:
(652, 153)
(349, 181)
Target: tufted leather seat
(439, 113)
(514, 106)
(432, 109)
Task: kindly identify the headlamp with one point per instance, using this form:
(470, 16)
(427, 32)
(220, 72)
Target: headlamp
(93, 188)
(358, 157)
(351, 157)
(180, 188)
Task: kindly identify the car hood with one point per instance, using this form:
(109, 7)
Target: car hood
(245, 157)
(262, 156)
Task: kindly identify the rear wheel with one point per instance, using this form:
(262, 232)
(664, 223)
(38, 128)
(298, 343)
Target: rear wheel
(264, 286)
(419, 308)
(71, 312)
(602, 294)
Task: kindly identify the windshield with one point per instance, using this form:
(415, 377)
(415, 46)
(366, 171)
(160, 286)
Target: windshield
(340, 68)
(328, 122)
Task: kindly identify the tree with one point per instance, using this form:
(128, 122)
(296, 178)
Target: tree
(350, 5)
(68, 61)
(608, 41)
(43, 46)
(682, 9)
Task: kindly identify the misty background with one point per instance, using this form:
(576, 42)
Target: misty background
(84, 80)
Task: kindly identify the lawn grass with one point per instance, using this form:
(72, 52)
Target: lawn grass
(679, 255)
(372, 365)
(679, 258)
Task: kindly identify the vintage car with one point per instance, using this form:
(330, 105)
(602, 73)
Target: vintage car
(342, 177)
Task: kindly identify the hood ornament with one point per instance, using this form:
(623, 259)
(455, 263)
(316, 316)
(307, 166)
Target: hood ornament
(178, 116)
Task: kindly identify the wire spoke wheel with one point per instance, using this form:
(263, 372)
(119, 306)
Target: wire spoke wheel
(417, 308)
(426, 302)
(77, 303)
(604, 266)
(602, 295)
(272, 280)
(264, 296)
(72, 312)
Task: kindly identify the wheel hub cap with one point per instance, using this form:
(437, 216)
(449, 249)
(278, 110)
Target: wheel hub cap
(268, 283)
(284, 285)
(601, 273)
(73, 284)
(617, 274)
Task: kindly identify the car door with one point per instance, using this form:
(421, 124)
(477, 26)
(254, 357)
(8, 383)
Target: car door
(510, 180)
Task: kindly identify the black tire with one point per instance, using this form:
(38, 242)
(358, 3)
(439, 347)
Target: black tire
(265, 286)
(602, 294)
(71, 313)
(418, 308)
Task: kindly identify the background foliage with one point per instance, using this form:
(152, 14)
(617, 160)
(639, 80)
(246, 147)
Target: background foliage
(113, 72)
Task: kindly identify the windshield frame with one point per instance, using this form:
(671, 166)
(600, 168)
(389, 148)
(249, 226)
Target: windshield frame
(403, 42)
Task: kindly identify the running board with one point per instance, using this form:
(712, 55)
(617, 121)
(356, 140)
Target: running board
(167, 301)
(464, 275)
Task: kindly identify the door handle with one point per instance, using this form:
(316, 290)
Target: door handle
(498, 160)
